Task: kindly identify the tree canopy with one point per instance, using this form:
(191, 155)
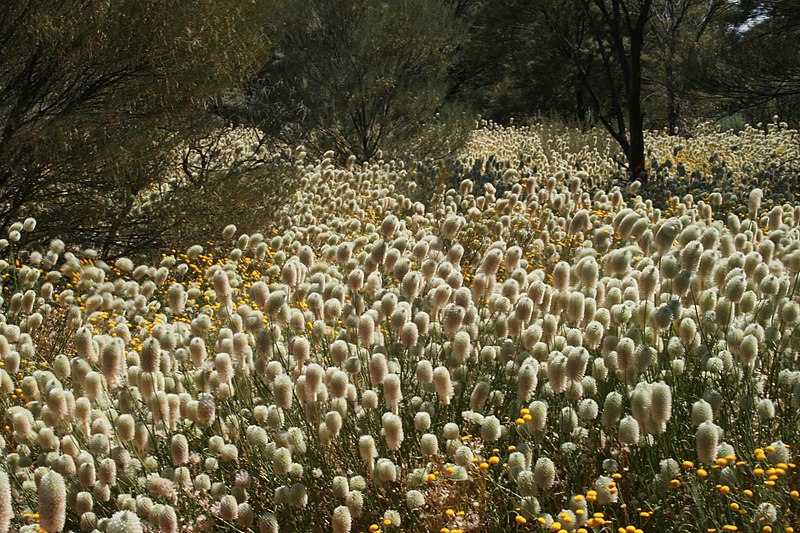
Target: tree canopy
(358, 76)
(95, 96)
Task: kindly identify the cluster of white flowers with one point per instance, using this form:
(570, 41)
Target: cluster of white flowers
(380, 361)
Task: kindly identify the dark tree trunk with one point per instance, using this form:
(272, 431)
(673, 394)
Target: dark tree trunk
(673, 111)
(618, 32)
(635, 115)
(580, 103)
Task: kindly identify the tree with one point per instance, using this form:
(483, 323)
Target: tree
(357, 76)
(96, 96)
(758, 74)
(678, 29)
(618, 21)
(615, 31)
(510, 66)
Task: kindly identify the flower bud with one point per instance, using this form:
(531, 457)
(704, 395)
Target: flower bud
(392, 430)
(333, 422)
(228, 508)
(424, 371)
(701, 412)
(179, 447)
(283, 389)
(150, 355)
(377, 368)
(385, 471)
(661, 407)
(282, 461)
(6, 506)
(52, 501)
(409, 334)
(544, 473)
(603, 488)
(629, 431)
(429, 445)
(490, 429)
(765, 409)
(415, 499)
(444, 387)
(538, 420)
(527, 379)
(707, 440)
(342, 520)
(366, 449)
(124, 522)
(391, 392)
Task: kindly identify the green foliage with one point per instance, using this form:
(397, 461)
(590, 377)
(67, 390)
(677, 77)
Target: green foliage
(358, 77)
(229, 176)
(96, 96)
(700, 60)
(755, 70)
(515, 65)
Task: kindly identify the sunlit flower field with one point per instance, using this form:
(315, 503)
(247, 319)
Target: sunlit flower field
(517, 341)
